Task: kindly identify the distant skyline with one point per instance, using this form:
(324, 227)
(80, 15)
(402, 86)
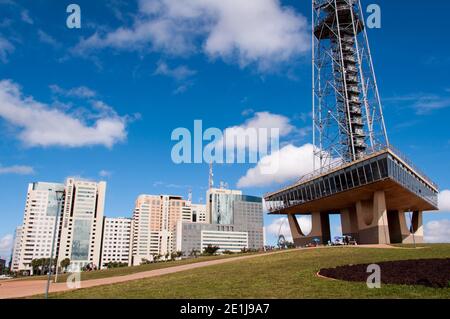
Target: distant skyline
(101, 102)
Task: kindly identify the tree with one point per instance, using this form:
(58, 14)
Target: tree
(145, 261)
(116, 264)
(64, 264)
(156, 257)
(194, 253)
(176, 254)
(40, 265)
(211, 250)
(36, 266)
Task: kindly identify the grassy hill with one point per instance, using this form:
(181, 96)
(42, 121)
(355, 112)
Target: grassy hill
(287, 275)
(114, 272)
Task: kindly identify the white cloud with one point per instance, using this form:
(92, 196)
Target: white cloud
(255, 133)
(41, 125)
(6, 243)
(422, 103)
(280, 226)
(171, 185)
(25, 16)
(48, 39)
(182, 88)
(80, 92)
(104, 173)
(16, 169)
(444, 200)
(178, 73)
(244, 32)
(288, 164)
(6, 48)
(181, 74)
(437, 231)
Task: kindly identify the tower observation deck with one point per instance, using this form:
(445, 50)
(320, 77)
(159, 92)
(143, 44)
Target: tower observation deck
(357, 173)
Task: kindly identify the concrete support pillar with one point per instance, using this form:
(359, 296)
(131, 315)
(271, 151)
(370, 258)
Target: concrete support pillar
(320, 229)
(373, 220)
(399, 231)
(296, 231)
(349, 222)
(417, 227)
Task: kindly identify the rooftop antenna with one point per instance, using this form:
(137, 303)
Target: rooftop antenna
(211, 181)
(190, 195)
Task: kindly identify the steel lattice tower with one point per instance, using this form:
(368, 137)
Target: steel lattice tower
(348, 121)
(370, 184)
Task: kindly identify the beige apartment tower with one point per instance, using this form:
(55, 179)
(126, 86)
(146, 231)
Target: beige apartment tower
(154, 220)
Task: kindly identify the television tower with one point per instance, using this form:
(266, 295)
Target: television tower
(348, 121)
(362, 178)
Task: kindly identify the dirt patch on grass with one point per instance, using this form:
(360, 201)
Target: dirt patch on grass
(426, 272)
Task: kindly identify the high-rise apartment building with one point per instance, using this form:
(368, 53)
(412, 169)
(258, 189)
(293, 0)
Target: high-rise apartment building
(154, 221)
(15, 255)
(82, 222)
(116, 240)
(36, 235)
(78, 228)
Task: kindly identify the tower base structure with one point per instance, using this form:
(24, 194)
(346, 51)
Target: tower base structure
(375, 197)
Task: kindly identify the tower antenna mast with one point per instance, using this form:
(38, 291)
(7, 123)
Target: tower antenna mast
(348, 121)
(211, 175)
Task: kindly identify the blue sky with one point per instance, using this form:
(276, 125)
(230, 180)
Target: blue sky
(136, 70)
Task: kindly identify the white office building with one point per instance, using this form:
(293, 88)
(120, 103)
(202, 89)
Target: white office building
(15, 255)
(197, 236)
(36, 234)
(226, 240)
(116, 240)
(199, 214)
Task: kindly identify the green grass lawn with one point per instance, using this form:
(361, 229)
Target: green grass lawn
(132, 270)
(287, 275)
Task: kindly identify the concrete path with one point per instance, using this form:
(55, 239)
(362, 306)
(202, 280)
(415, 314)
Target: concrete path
(27, 288)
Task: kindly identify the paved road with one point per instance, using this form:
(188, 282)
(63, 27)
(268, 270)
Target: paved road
(27, 288)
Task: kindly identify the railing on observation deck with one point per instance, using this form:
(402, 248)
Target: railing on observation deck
(337, 164)
(405, 159)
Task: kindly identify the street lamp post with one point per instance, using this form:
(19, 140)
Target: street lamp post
(59, 196)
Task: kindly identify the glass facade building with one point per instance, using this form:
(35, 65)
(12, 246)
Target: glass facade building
(81, 240)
